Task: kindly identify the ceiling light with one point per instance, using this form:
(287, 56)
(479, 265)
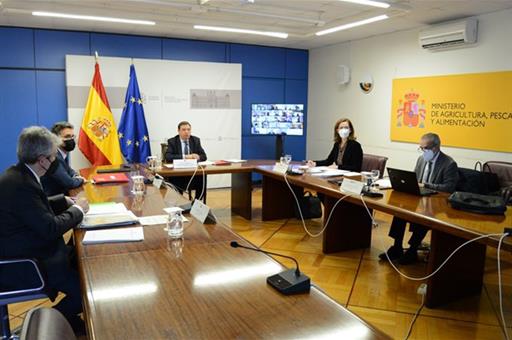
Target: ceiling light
(369, 3)
(353, 24)
(239, 30)
(94, 18)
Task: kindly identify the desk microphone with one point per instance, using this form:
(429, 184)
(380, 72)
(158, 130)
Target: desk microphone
(291, 281)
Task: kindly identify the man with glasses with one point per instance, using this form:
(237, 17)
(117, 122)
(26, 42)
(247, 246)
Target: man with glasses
(434, 170)
(33, 224)
(64, 178)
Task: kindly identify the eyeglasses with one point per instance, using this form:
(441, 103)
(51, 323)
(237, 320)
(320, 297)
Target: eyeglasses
(423, 149)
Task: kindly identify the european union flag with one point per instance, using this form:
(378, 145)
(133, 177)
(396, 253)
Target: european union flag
(133, 131)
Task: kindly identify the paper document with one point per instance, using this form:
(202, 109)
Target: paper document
(109, 220)
(204, 163)
(352, 174)
(330, 173)
(383, 183)
(156, 219)
(170, 166)
(114, 235)
(236, 160)
(106, 208)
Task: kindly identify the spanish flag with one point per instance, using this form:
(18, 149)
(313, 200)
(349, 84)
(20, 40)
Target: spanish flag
(98, 134)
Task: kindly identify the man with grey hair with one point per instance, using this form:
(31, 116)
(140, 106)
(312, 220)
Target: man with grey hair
(64, 178)
(434, 170)
(33, 224)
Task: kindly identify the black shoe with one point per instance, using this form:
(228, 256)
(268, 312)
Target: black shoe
(409, 257)
(78, 325)
(394, 253)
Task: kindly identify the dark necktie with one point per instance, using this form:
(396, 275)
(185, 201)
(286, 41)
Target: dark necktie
(426, 172)
(187, 150)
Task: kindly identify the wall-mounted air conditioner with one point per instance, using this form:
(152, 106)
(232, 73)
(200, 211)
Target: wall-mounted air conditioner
(450, 34)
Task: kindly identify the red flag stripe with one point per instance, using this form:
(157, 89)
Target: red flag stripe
(97, 83)
(91, 151)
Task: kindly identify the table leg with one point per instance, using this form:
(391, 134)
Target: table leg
(241, 194)
(278, 201)
(350, 227)
(462, 276)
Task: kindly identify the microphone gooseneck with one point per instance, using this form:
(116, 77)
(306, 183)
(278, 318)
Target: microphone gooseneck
(235, 244)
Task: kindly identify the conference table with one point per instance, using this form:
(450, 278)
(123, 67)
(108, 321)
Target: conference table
(196, 287)
(350, 225)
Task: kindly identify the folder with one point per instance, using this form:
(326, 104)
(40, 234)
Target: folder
(110, 178)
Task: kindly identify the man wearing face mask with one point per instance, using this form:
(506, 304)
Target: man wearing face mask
(64, 177)
(434, 170)
(346, 153)
(33, 224)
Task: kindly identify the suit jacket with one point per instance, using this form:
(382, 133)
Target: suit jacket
(62, 180)
(352, 158)
(29, 226)
(174, 148)
(444, 176)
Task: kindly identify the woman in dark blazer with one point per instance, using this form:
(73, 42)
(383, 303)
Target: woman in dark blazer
(346, 153)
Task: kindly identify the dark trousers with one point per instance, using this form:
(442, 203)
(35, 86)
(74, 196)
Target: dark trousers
(196, 185)
(62, 276)
(397, 232)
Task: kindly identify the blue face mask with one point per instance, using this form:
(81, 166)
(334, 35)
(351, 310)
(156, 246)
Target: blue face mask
(428, 155)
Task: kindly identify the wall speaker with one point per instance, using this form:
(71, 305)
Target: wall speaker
(343, 74)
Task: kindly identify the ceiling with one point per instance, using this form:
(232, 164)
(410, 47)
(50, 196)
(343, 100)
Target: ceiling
(301, 19)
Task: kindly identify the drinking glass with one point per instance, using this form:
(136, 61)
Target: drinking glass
(375, 176)
(138, 185)
(287, 159)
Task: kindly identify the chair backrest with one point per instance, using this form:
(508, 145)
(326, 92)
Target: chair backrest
(502, 169)
(374, 162)
(46, 324)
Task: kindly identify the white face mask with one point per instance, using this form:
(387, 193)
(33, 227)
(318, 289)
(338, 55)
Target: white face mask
(428, 155)
(344, 132)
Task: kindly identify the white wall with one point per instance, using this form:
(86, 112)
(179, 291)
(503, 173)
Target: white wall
(395, 55)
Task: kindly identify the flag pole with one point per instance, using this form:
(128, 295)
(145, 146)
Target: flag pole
(96, 56)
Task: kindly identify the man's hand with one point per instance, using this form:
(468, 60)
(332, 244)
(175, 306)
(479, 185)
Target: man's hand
(333, 166)
(421, 185)
(192, 156)
(311, 163)
(69, 201)
(83, 203)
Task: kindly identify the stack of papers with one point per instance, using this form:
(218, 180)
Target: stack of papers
(109, 220)
(383, 183)
(330, 173)
(113, 235)
(108, 214)
(205, 163)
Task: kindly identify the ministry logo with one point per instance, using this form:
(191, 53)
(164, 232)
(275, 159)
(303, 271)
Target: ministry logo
(410, 112)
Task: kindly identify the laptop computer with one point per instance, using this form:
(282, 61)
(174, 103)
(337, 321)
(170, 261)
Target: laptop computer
(406, 181)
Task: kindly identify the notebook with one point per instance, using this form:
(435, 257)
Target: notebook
(117, 177)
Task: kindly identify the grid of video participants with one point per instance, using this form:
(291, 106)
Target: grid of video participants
(277, 119)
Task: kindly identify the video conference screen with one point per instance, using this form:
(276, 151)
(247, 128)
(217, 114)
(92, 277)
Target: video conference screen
(277, 119)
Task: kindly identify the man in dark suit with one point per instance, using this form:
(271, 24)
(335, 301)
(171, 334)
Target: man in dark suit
(434, 170)
(64, 178)
(32, 225)
(186, 146)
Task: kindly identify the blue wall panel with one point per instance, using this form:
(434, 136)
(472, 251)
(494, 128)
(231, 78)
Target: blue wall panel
(18, 109)
(189, 50)
(297, 93)
(297, 64)
(17, 47)
(52, 46)
(257, 91)
(114, 45)
(51, 97)
(259, 61)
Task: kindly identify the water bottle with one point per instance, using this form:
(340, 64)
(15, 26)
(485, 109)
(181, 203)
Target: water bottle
(175, 225)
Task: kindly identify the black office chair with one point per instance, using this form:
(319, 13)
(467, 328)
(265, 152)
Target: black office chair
(45, 323)
(36, 288)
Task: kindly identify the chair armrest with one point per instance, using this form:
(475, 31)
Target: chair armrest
(34, 263)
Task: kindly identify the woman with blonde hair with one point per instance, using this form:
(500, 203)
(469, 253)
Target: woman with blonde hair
(346, 153)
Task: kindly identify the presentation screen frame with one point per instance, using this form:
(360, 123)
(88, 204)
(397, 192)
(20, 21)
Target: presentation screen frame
(277, 119)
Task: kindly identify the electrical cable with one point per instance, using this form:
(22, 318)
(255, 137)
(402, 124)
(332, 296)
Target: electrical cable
(302, 217)
(500, 287)
(415, 317)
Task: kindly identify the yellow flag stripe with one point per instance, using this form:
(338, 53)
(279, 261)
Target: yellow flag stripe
(98, 124)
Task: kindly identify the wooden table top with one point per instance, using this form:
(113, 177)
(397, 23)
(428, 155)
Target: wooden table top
(432, 211)
(195, 287)
(248, 166)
